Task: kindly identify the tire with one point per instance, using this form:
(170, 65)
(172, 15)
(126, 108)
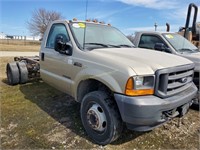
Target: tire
(12, 72)
(100, 117)
(23, 72)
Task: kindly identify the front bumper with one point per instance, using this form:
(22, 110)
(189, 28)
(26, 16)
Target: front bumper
(143, 113)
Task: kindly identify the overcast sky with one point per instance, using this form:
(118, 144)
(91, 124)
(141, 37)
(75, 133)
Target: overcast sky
(127, 15)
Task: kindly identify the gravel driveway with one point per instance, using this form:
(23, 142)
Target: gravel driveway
(13, 53)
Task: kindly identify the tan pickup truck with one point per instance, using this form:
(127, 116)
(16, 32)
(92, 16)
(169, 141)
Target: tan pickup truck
(115, 83)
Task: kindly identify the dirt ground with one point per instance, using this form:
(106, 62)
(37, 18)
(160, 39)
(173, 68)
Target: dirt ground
(36, 116)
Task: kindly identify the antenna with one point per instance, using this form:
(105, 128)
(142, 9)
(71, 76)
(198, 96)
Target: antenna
(85, 25)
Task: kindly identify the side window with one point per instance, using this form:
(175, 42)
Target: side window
(149, 41)
(56, 29)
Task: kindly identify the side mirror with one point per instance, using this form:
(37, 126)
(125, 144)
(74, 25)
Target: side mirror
(62, 47)
(161, 47)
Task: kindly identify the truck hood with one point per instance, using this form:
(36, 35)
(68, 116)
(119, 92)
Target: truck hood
(194, 57)
(142, 61)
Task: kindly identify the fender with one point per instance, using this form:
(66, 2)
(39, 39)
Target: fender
(107, 78)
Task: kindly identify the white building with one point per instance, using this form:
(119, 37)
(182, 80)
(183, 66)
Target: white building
(34, 38)
(19, 37)
(2, 35)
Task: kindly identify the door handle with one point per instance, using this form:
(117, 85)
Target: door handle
(42, 56)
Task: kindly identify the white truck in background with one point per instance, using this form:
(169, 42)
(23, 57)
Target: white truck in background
(171, 43)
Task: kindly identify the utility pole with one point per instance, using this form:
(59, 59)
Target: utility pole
(155, 25)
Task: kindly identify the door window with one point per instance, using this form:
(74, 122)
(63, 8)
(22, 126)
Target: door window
(149, 41)
(56, 29)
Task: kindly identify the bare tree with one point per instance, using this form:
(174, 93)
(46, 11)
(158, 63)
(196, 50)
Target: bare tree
(40, 20)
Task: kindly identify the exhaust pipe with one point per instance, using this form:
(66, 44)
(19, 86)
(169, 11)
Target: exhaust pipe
(192, 5)
(168, 27)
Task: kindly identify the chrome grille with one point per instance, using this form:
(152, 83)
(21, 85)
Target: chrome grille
(171, 81)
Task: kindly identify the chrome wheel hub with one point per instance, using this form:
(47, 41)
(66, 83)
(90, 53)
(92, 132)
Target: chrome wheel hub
(96, 118)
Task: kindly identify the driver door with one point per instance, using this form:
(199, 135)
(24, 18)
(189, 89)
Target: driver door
(55, 67)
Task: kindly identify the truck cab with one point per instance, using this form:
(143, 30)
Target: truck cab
(114, 82)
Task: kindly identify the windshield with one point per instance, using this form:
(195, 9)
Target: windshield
(179, 43)
(98, 36)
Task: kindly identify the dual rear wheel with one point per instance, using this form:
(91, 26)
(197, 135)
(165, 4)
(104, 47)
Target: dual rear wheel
(17, 73)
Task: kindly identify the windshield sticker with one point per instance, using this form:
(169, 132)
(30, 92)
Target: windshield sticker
(169, 36)
(81, 25)
(76, 25)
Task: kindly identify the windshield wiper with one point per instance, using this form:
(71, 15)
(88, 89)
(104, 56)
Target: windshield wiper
(125, 45)
(99, 44)
(196, 50)
(109, 45)
(103, 45)
(188, 50)
(114, 46)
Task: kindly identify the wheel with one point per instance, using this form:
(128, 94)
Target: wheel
(12, 72)
(23, 72)
(100, 117)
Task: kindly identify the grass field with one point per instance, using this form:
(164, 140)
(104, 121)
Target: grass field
(19, 45)
(36, 116)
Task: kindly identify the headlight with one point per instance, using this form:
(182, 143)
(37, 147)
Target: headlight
(140, 85)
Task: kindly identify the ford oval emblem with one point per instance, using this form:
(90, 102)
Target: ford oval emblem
(183, 80)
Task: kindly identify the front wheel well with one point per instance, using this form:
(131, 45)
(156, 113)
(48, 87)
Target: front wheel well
(90, 85)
